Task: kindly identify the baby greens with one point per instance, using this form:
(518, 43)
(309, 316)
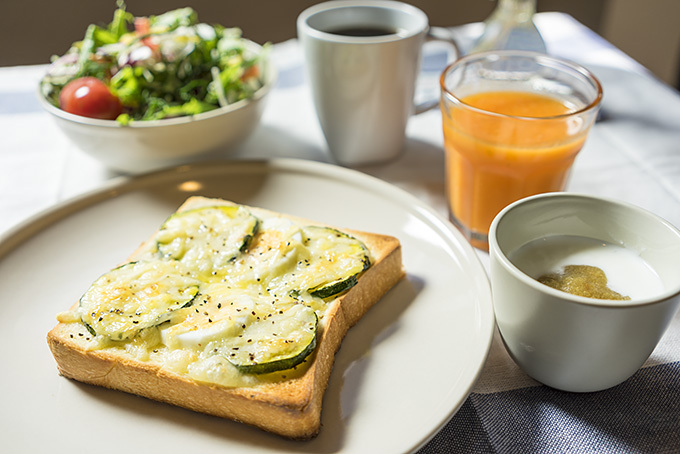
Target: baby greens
(162, 66)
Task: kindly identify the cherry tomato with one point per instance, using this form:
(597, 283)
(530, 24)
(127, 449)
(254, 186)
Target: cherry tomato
(90, 97)
(251, 72)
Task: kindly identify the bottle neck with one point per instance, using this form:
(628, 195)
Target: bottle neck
(520, 10)
(511, 26)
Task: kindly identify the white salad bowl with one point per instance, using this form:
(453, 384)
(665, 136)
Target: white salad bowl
(569, 342)
(143, 146)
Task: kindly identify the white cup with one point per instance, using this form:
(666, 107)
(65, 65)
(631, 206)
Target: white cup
(363, 86)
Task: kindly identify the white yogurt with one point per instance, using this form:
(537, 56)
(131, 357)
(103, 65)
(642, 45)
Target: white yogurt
(627, 273)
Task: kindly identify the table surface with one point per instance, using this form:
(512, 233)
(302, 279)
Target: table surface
(632, 154)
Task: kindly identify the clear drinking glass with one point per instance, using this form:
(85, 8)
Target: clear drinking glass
(513, 124)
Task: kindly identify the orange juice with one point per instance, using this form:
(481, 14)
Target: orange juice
(493, 160)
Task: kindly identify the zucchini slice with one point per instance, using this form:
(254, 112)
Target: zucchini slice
(219, 312)
(207, 238)
(135, 296)
(278, 341)
(337, 259)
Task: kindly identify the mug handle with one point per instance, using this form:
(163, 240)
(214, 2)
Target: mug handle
(444, 35)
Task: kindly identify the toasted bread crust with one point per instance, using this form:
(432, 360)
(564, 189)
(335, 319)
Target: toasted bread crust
(290, 408)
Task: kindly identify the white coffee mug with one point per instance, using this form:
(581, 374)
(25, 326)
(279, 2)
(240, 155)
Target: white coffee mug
(363, 59)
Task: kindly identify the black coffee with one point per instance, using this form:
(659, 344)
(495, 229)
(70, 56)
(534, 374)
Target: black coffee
(364, 31)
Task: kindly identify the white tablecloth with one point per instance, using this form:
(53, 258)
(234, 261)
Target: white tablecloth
(633, 154)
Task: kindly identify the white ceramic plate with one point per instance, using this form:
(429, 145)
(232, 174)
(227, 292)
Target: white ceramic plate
(401, 373)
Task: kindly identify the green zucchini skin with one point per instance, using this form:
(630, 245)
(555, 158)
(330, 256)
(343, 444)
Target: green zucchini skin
(335, 288)
(275, 349)
(278, 365)
(357, 253)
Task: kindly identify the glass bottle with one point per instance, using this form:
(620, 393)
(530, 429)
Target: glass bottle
(511, 26)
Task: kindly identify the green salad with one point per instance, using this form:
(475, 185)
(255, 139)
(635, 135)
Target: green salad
(156, 67)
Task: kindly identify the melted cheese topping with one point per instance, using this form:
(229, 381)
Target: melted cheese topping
(247, 271)
(207, 239)
(136, 296)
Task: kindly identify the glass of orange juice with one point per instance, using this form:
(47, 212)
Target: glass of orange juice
(513, 124)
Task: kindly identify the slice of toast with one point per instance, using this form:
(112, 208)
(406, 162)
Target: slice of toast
(290, 407)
